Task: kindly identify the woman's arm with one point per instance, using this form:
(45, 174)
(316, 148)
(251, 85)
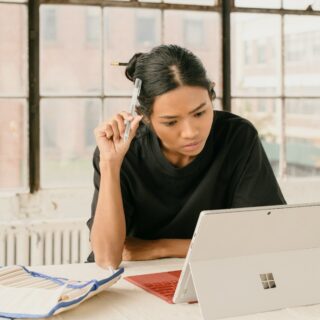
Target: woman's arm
(108, 231)
(138, 249)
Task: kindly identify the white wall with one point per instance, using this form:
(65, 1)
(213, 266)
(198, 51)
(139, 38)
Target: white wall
(301, 190)
(72, 203)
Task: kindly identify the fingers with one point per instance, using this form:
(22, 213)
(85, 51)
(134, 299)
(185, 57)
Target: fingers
(134, 125)
(108, 130)
(115, 128)
(102, 130)
(126, 115)
(121, 125)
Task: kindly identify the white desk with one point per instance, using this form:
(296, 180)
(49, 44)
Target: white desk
(125, 301)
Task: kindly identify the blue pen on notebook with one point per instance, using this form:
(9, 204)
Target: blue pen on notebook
(134, 100)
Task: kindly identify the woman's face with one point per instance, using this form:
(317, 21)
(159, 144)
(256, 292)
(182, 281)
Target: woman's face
(182, 119)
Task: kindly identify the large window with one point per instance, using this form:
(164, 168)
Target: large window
(78, 85)
(274, 80)
(13, 96)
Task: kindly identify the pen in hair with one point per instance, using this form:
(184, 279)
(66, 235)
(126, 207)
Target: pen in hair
(116, 63)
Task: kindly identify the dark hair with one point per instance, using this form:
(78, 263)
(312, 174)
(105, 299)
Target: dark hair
(165, 68)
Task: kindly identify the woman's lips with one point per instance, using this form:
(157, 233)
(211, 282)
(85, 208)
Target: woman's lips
(193, 145)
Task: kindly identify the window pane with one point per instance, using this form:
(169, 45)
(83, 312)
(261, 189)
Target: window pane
(199, 32)
(13, 50)
(67, 141)
(112, 106)
(265, 116)
(70, 50)
(255, 55)
(301, 4)
(13, 144)
(197, 2)
(302, 49)
(14, 1)
(122, 42)
(258, 3)
(303, 137)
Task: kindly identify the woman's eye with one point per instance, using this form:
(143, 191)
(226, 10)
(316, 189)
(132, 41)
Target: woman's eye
(170, 124)
(199, 114)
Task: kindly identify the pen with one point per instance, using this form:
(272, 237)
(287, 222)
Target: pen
(134, 100)
(116, 63)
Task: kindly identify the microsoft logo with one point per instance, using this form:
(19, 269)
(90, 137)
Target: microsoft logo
(267, 281)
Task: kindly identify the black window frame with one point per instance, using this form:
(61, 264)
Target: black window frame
(225, 7)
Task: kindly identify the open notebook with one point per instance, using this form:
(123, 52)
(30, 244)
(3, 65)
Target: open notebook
(28, 294)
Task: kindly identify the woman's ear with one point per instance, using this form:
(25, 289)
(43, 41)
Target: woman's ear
(146, 120)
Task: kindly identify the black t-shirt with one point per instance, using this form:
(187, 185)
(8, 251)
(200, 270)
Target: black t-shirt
(163, 201)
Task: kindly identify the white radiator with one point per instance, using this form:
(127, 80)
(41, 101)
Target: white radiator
(44, 242)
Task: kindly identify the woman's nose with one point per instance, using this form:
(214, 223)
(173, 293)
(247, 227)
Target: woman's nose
(189, 131)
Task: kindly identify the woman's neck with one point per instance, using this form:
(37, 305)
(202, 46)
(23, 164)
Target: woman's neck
(177, 160)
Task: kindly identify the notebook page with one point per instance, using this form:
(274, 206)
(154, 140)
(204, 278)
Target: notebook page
(28, 300)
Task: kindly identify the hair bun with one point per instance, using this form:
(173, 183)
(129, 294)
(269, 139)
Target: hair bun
(131, 67)
(212, 91)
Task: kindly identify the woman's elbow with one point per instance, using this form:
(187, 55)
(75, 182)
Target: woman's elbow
(106, 261)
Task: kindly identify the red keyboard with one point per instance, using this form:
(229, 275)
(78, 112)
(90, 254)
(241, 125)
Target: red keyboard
(162, 284)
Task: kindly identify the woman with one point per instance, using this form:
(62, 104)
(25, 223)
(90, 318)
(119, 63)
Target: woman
(181, 157)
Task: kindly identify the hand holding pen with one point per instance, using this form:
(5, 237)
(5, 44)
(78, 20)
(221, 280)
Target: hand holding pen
(110, 136)
(134, 98)
(114, 136)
